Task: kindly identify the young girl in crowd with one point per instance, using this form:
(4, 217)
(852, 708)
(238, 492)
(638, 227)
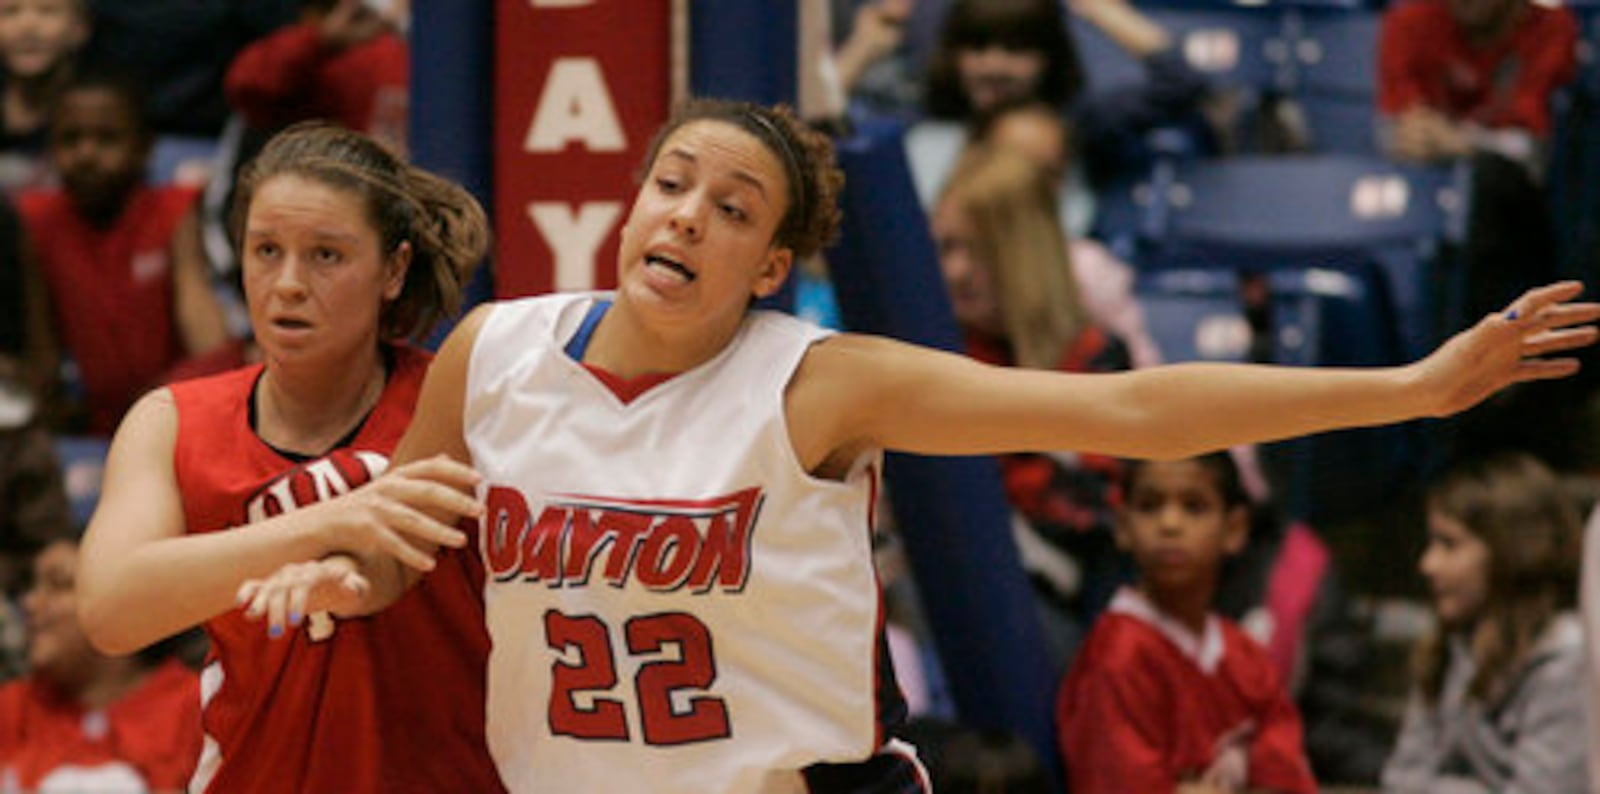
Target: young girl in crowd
(1016, 298)
(1496, 705)
(347, 252)
(679, 575)
(1165, 692)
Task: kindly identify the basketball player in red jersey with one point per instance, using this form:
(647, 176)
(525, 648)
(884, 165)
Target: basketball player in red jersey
(347, 252)
(678, 487)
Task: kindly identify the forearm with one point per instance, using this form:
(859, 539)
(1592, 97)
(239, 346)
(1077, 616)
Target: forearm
(1126, 26)
(162, 587)
(1161, 413)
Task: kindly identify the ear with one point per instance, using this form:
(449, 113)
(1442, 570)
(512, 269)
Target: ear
(395, 267)
(1120, 530)
(774, 270)
(1236, 531)
(78, 33)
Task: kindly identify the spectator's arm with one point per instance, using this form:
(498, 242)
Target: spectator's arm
(1553, 65)
(1550, 749)
(200, 319)
(878, 29)
(1134, 32)
(1400, 72)
(1111, 736)
(272, 76)
(1278, 760)
(1413, 766)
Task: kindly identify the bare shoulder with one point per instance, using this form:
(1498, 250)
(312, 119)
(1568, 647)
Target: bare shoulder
(153, 419)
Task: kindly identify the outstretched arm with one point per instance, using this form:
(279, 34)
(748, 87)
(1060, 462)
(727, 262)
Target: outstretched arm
(856, 392)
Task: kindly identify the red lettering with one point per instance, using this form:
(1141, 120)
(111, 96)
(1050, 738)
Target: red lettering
(505, 522)
(666, 554)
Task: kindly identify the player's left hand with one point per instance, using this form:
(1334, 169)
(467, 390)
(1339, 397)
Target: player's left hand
(301, 589)
(1509, 347)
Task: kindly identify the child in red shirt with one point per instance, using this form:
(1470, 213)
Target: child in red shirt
(1166, 695)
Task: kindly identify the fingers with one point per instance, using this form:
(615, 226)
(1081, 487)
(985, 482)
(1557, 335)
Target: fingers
(1544, 369)
(1547, 342)
(1536, 299)
(442, 468)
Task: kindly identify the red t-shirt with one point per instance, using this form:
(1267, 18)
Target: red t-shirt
(1423, 59)
(111, 291)
(391, 703)
(149, 739)
(290, 76)
(1147, 705)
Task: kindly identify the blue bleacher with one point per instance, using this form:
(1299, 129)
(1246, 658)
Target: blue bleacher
(1336, 76)
(1324, 211)
(82, 460)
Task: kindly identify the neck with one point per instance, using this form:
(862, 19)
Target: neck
(1190, 606)
(308, 412)
(624, 346)
(1494, 31)
(106, 681)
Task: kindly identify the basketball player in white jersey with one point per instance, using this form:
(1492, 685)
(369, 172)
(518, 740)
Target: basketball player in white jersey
(678, 488)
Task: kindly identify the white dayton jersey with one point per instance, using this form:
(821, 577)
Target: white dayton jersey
(676, 605)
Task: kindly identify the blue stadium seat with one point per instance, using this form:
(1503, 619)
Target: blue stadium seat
(1239, 47)
(1326, 211)
(1313, 317)
(1194, 314)
(182, 159)
(83, 461)
(1338, 318)
(1336, 76)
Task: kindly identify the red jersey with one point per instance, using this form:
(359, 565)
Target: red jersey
(291, 76)
(1149, 704)
(148, 740)
(112, 291)
(1423, 59)
(390, 703)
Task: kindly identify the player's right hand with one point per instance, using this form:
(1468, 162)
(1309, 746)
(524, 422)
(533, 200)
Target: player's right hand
(406, 513)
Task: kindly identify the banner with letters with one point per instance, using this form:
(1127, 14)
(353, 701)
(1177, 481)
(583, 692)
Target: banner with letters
(580, 86)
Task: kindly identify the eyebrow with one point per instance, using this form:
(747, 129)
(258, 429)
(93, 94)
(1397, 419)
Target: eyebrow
(319, 236)
(739, 174)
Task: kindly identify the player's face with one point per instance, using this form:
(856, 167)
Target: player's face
(36, 34)
(56, 644)
(1456, 565)
(994, 74)
(315, 275)
(98, 148)
(968, 275)
(1177, 526)
(699, 241)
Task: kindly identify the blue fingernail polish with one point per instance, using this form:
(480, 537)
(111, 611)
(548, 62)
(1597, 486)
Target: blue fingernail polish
(275, 632)
(1513, 314)
(294, 618)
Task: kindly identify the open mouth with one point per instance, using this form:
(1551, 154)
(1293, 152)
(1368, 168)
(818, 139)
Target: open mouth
(657, 260)
(291, 324)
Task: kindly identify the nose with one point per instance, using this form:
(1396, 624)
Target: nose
(689, 216)
(1426, 563)
(290, 281)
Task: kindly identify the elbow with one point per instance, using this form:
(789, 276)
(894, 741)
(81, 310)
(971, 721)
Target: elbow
(98, 620)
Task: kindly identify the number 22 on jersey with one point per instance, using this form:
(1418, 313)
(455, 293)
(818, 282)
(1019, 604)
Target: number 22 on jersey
(681, 662)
